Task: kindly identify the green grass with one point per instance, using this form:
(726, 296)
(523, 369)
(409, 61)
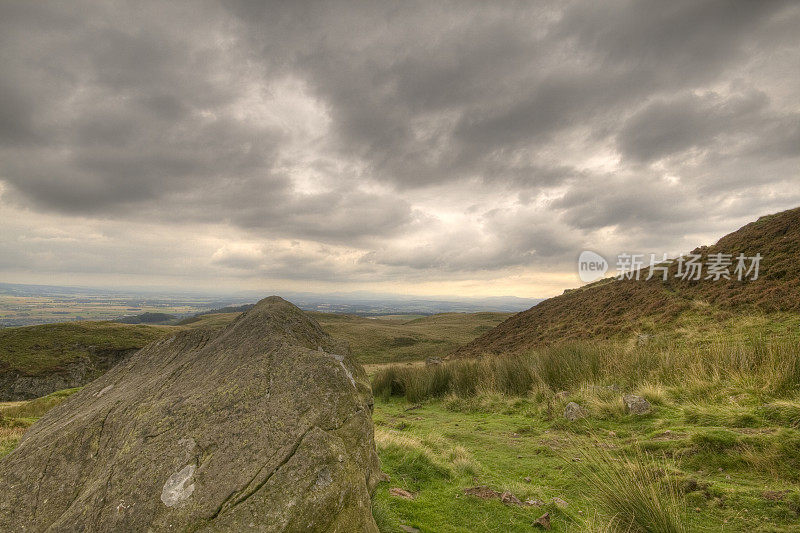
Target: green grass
(41, 349)
(719, 451)
(616, 473)
(16, 417)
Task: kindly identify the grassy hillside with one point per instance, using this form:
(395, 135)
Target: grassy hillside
(614, 309)
(384, 340)
(209, 320)
(41, 349)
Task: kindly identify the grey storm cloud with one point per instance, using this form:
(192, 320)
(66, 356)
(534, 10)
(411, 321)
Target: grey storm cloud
(328, 122)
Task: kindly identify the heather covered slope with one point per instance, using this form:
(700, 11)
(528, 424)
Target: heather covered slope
(618, 308)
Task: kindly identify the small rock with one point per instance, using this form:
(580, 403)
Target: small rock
(401, 493)
(482, 491)
(527, 479)
(636, 405)
(409, 529)
(537, 503)
(774, 495)
(433, 361)
(510, 499)
(559, 502)
(543, 521)
(573, 412)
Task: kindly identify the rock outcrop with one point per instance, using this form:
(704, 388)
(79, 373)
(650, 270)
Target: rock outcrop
(262, 426)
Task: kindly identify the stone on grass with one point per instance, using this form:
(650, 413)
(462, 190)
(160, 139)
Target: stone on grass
(509, 499)
(543, 521)
(573, 412)
(483, 492)
(636, 405)
(401, 493)
(559, 502)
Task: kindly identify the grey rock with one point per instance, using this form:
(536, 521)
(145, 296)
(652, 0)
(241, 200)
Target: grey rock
(636, 405)
(573, 412)
(250, 427)
(433, 361)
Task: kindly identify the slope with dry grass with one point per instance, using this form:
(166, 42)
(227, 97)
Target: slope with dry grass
(613, 308)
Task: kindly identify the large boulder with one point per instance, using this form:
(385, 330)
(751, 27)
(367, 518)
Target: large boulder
(264, 426)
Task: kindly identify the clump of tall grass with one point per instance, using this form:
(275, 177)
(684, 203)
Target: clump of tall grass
(418, 460)
(634, 492)
(508, 375)
(769, 366)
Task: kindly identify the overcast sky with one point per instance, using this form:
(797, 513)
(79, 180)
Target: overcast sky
(415, 147)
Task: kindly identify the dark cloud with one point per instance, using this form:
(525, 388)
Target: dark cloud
(422, 137)
(664, 128)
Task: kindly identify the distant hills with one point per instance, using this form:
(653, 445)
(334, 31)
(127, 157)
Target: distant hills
(27, 305)
(616, 308)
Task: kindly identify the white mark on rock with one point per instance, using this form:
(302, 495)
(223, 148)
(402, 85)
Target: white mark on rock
(340, 359)
(178, 488)
(104, 390)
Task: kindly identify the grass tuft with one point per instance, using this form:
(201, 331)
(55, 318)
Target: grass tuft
(635, 492)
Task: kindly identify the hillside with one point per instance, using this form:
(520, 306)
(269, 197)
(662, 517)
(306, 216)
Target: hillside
(385, 340)
(37, 360)
(612, 308)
